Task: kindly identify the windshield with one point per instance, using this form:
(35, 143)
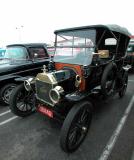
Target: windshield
(16, 53)
(75, 47)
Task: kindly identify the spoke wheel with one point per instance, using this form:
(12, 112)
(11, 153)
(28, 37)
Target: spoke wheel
(110, 86)
(75, 126)
(108, 81)
(124, 86)
(22, 101)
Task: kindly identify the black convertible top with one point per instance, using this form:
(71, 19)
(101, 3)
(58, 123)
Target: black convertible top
(112, 27)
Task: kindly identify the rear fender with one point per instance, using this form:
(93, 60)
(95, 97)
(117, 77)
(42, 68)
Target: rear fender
(127, 67)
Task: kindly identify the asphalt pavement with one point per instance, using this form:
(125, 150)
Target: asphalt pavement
(111, 135)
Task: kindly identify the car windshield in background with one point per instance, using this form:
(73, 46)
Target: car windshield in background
(16, 53)
(75, 47)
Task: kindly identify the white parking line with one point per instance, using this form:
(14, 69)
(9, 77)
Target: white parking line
(5, 112)
(130, 80)
(107, 150)
(132, 158)
(8, 120)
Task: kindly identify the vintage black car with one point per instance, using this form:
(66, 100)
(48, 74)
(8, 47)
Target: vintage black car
(18, 61)
(87, 60)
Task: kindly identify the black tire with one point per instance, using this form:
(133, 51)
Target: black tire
(124, 86)
(5, 93)
(74, 123)
(22, 101)
(108, 81)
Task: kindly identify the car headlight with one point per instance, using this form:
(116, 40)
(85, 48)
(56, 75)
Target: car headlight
(55, 94)
(27, 84)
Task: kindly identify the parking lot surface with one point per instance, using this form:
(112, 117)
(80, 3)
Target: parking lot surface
(37, 138)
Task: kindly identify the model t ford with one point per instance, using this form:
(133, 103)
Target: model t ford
(87, 60)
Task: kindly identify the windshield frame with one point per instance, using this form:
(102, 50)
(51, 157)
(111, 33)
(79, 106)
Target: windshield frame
(73, 39)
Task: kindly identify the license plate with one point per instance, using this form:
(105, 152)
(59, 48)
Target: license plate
(45, 111)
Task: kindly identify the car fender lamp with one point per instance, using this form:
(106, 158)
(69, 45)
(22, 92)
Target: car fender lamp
(55, 94)
(77, 81)
(27, 84)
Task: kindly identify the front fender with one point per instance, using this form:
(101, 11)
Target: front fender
(77, 96)
(22, 79)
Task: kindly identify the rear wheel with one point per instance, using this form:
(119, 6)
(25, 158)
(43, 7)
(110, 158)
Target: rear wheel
(5, 92)
(124, 86)
(75, 126)
(22, 101)
(108, 81)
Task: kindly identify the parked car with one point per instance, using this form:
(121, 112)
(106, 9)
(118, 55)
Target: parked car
(87, 60)
(130, 53)
(2, 52)
(18, 61)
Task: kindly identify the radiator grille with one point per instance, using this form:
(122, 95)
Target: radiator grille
(42, 91)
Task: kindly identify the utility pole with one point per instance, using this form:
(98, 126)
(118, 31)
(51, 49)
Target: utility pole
(19, 30)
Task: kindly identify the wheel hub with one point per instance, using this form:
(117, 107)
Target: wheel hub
(7, 94)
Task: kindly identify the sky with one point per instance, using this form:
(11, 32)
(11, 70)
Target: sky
(27, 21)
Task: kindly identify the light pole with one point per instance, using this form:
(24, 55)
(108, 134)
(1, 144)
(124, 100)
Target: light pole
(19, 29)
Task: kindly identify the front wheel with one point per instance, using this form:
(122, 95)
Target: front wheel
(22, 101)
(75, 126)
